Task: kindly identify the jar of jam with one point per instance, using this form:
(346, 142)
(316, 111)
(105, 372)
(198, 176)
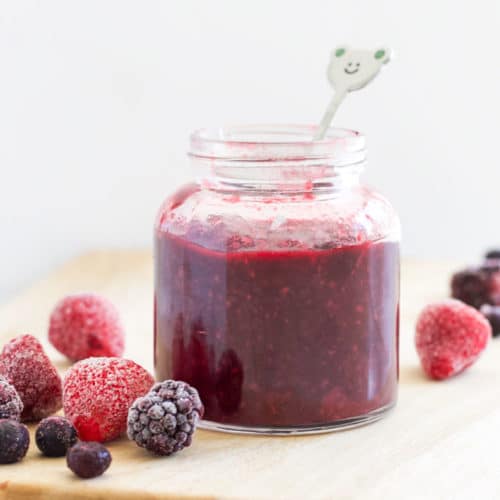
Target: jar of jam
(277, 282)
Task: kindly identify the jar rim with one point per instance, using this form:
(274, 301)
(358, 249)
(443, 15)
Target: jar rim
(270, 142)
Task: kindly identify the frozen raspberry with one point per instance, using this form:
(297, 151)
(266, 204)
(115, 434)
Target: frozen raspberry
(11, 405)
(25, 365)
(86, 325)
(165, 419)
(55, 435)
(492, 314)
(88, 460)
(98, 392)
(14, 441)
(450, 336)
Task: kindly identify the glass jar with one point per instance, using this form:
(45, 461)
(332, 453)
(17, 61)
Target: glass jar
(277, 282)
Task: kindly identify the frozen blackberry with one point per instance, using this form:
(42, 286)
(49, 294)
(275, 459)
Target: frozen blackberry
(492, 314)
(492, 254)
(490, 268)
(14, 441)
(11, 405)
(471, 286)
(55, 435)
(165, 419)
(88, 459)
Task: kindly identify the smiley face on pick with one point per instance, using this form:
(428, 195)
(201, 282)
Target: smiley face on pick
(352, 69)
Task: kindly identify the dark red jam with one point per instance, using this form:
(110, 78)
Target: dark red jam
(283, 338)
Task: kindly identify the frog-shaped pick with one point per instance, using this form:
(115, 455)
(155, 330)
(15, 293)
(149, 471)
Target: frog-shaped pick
(350, 70)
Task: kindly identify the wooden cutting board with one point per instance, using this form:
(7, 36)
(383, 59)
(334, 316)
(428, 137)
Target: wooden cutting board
(442, 440)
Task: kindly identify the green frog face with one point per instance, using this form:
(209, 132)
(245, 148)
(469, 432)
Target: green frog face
(353, 69)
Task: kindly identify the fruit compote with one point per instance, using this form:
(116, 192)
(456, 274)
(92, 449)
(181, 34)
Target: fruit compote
(280, 338)
(277, 282)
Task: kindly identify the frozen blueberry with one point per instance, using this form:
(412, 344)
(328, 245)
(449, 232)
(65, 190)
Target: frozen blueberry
(55, 435)
(492, 314)
(88, 459)
(14, 441)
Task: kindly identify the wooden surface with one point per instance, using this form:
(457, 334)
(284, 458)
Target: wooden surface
(442, 440)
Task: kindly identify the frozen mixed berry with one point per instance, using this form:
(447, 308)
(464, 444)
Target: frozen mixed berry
(492, 314)
(11, 405)
(490, 266)
(88, 460)
(471, 286)
(494, 284)
(98, 392)
(86, 325)
(493, 254)
(14, 441)
(450, 336)
(165, 419)
(25, 365)
(55, 435)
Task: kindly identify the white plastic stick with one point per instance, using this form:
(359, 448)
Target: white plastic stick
(335, 101)
(350, 70)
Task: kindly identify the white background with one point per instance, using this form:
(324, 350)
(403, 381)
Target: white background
(97, 99)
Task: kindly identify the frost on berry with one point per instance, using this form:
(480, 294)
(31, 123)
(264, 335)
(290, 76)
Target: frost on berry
(98, 392)
(25, 365)
(164, 420)
(88, 460)
(86, 325)
(450, 336)
(11, 405)
(14, 441)
(55, 435)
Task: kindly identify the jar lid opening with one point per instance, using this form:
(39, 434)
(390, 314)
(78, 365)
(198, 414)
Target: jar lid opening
(274, 142)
